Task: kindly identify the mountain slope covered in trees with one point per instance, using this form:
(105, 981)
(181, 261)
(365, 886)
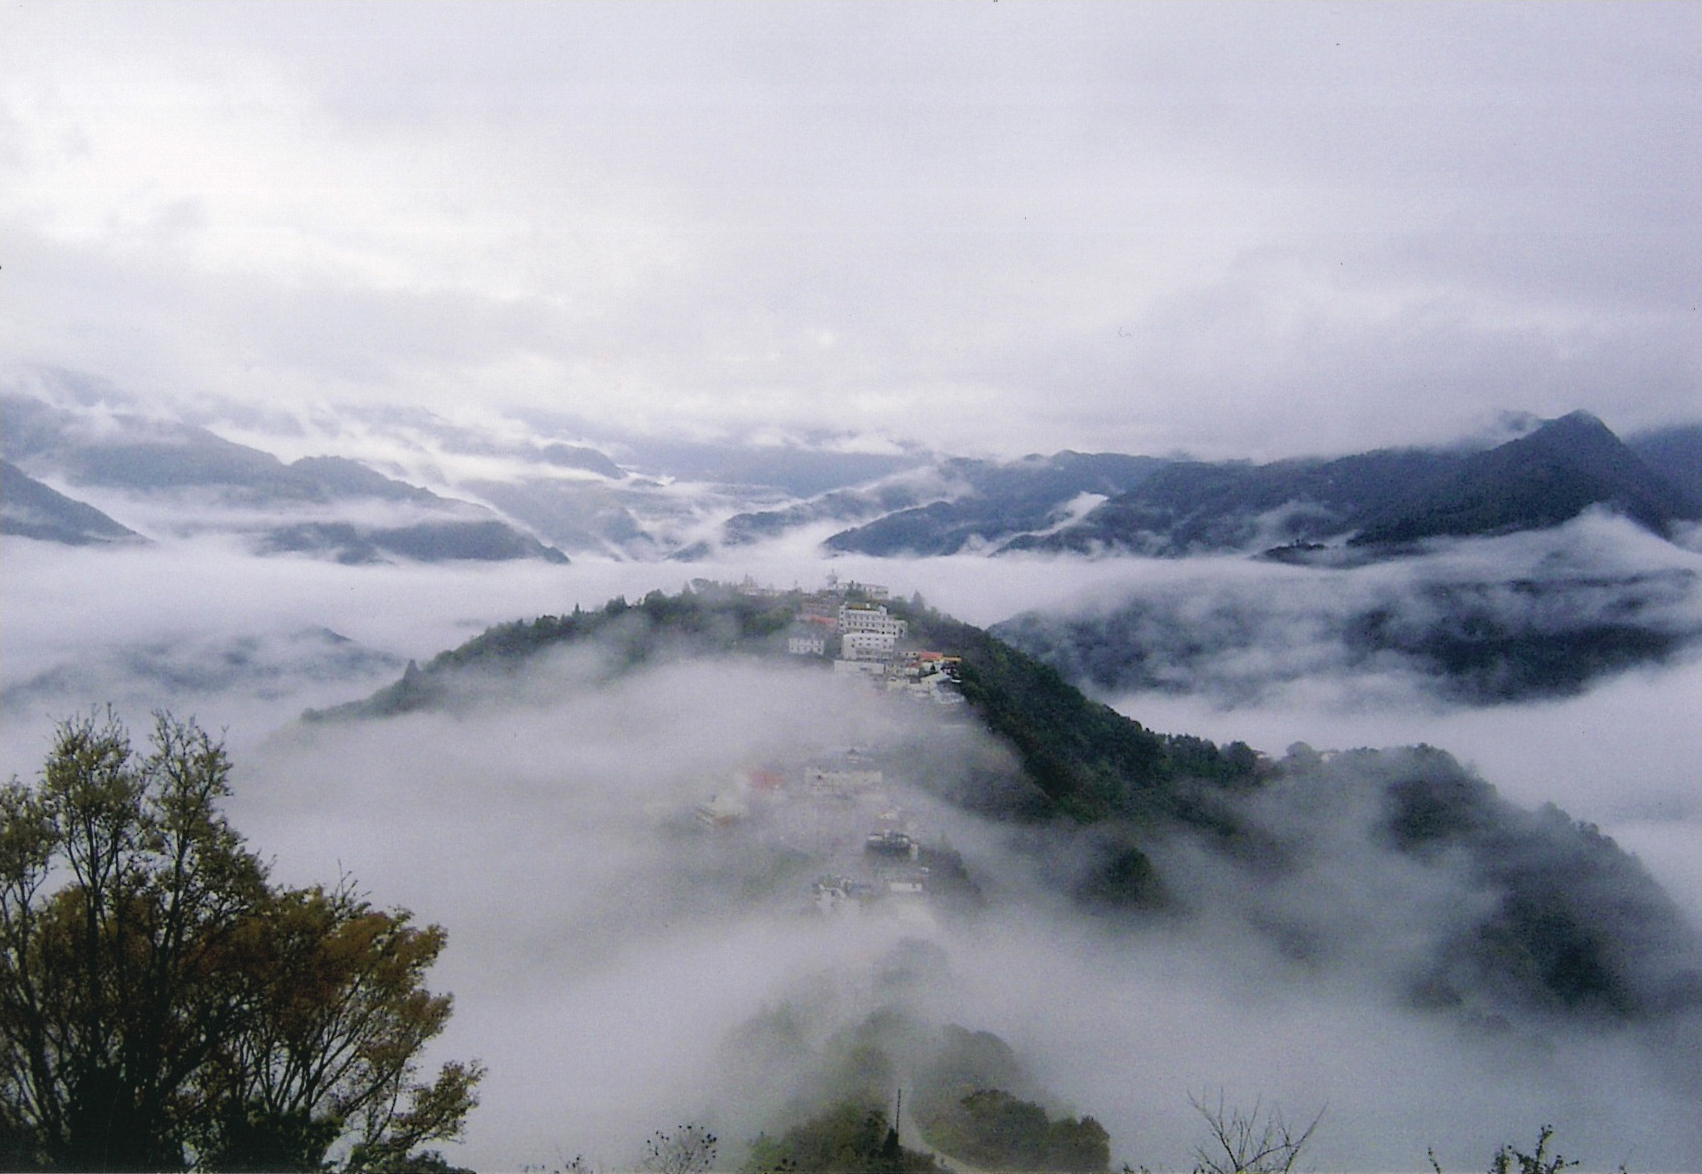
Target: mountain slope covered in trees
(1545, 631)
(1133, 825)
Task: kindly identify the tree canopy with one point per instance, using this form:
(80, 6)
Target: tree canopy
(851, 1137)
(993, 1130)
(164, 1006)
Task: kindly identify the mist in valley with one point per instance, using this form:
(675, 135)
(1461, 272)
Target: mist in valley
(620, 969)
(313, 309)
(1273, 655)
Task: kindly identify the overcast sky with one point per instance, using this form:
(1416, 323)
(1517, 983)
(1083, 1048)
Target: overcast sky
(986, 226)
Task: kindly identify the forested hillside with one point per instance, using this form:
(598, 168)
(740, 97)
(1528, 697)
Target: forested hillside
(1139, 822)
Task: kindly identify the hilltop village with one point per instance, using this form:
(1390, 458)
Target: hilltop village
(841, 808)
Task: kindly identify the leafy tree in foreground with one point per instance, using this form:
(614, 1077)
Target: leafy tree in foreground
(163, 1006)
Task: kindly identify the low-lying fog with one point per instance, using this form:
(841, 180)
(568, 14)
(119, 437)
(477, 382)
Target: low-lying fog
(604, 959)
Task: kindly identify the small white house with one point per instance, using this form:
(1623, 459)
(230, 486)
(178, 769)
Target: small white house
(804, 642)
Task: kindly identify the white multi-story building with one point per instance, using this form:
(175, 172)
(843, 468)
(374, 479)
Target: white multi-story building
(867, 645)
(867, 617)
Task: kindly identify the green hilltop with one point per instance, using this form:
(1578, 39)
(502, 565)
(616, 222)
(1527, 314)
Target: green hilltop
(1082, 761)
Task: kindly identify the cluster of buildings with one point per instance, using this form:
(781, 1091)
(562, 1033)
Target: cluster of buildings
(889, 863)
(865, 639)
(839, 808)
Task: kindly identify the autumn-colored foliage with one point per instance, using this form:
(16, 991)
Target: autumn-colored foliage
(163, 1006)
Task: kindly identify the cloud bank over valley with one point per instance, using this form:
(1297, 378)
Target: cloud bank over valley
(548, 806)
(631, 957)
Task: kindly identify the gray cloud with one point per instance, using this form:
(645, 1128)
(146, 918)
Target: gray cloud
(999, 226)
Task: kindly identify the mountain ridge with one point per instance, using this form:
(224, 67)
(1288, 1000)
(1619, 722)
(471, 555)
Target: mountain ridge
(1535, 482)
(1382, 500)
(639, 500)
(32, 509)
(151, 458)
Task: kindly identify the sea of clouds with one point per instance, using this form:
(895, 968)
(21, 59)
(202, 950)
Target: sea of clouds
(601, 968)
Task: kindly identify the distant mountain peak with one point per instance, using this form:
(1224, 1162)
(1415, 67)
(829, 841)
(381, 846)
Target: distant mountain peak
(1383, 499)
(1572, 427)
(1566, 466)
